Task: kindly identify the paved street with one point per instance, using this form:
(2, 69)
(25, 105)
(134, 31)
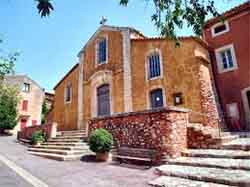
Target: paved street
(73, 174)
(9, 178)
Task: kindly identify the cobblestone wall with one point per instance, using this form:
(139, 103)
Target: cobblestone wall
(164, 130)
(27, 132)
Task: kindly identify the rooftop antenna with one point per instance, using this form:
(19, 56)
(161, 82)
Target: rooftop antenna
(103, 20)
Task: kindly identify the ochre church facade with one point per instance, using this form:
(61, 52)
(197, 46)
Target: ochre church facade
(120, 71)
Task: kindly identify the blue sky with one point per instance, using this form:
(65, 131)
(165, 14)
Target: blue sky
(49, 46)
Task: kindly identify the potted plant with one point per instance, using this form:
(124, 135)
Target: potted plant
(38, 137)
(101, 142)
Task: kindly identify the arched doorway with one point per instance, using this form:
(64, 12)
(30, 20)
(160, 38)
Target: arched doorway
(103, 100)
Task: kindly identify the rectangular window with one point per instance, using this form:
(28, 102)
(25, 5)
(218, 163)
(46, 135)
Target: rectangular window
(220, 28)
(102, 51)
(226, 59)
(25, 105)
(154, 66)
(68, 93)
(26, 87)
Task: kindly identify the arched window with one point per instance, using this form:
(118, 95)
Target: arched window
(156, 98)
(101, 52)
(154, 65)
(103, 100)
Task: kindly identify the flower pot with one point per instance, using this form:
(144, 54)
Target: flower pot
(102, 157)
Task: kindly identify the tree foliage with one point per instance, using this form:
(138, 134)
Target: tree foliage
(8, 106)
(169, 15)
(7, 61)
(44, 7)
(45, 111)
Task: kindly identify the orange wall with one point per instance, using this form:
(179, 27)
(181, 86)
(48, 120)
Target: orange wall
(114, 65)
(180, 73)
(65, 114)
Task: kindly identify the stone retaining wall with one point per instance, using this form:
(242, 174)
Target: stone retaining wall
(164, 130)
(27, 132)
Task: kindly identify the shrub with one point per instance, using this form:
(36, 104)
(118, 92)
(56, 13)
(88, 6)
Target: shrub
(38, 136)
(100, 141)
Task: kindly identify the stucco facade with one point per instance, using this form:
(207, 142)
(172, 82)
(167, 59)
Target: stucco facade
(184, 70)
(65, 112)
(31, 100)
(233, 84)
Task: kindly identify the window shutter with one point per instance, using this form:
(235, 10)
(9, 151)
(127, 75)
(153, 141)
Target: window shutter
(25, 105)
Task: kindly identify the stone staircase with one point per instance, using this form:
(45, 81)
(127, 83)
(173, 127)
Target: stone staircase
(66, 146)
(221, 167)
(204, 137)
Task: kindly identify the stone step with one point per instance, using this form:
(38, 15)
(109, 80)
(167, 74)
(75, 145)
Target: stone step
(58, 151)
(65, 140)
(64, 143)
(165, 181)
(217, 153)
(58, 156)
(71, 132)
(69, 138)
(72, 135)
(213, 175)
(85, 147)
(26, 141)
(243, 164)
(239, 144)
(227, 139)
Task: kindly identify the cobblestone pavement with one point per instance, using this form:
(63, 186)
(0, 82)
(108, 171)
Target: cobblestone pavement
(9, 178)
(76, 173)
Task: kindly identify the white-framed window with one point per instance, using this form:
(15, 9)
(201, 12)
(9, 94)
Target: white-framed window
(102, 51)
(26, 87)
(226, 58)
(68, 93)
(154, 65)
(220, 28)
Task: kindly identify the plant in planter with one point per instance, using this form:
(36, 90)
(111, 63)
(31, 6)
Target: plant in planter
(38, 137)
(101, 142)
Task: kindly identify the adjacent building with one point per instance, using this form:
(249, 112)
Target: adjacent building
(228, 37)
(120, 71)
(49, 100)
(31, 100)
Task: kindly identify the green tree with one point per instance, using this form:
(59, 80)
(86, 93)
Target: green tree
(45, 111)
(8, 94)
(169, 15)
(8, 106)
(7, 61)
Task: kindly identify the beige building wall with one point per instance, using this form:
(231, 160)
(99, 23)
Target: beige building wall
(34, 97)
